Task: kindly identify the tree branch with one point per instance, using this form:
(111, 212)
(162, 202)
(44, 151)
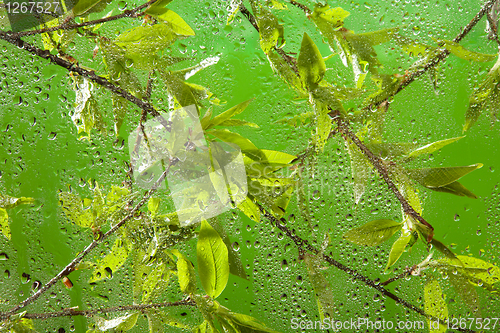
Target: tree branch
(71, 312)
(343, 127)
(71, 266)
(304, 245)
(437, 59)
(65, 26)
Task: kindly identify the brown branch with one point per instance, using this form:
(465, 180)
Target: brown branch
(65, 26)
(343, 127)
(438, 58)
(301, 6)
(89, 313)
(71, 266)
(406, 273)
(304, 245)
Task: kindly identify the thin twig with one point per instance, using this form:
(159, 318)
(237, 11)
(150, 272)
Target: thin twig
(301, 6)
(344, 128)
(406, 273)
(71, 266)
(65, 26)
(71, 312)
(304, 245)
(437, 59)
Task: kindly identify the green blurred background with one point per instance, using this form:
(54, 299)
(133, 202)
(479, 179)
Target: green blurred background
(40, 155)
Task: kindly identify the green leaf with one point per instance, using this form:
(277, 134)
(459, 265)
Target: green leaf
(200, 93)
(398, 247)
(106, 266)
(463, 53)
(4, 223)
(179, 89)
(177, 24)
(250, 209)
(120, 108)
(85, 7)
(438, 177)
(213, 264)
(298, 120)
(322, 288)
(8, 202)
(487, 95)
(246, 146)
(286, 71)
(238, 122)
(373, 233)
(310, 63)
(391, 150)
(72, 207)
(147, 39)
(153, 205)
(243, 323)
(185, 273)
(361, 170)
(466, 290)
(479, 272)
(226, 115)
(158, 318)
(435, 305)
(155, 282)
(457, 189)
(334, 16)
(432, 147)
(119, 324)
(235, 265)
(270, 31)
(233, 9)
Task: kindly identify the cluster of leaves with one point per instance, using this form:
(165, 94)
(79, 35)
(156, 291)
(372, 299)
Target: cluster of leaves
(306, 76)
(148, 240)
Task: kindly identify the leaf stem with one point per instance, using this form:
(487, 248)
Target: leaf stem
(71, 266)
(70, 312)
(65, 26)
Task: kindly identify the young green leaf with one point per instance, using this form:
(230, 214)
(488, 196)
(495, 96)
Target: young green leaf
(373, 233)
(242, 323)
(4, 223)
(235, 265)
(310, 63)
(270, 31)
(463, 53)
(147, 39)
(153, 205)
(185, 273)
(487, 95)
(398, 248)
(158, 318)
(322, 288)
(120, 108)
(479, 272)
(8, 202)
(246, 146)
(72, 207)
(120, 324)
(466, 290)
(286, 71)
(250, 209)
(86, 7)
(106, 266)
(457, 189)
(226, 115)
(213, 264)
(438, 177)
(155, 282)
(361, 170)
(435, 305)
(432, 147)
(178, 25)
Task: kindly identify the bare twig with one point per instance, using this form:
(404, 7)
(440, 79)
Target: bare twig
(406, 273)
(71, 266)
(301, 6)
(343, 127)
(70, 312)
(65, 26)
